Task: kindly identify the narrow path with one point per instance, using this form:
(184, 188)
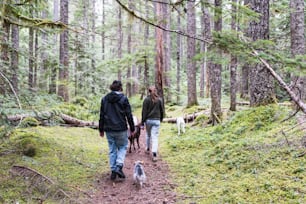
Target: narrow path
(157, 189)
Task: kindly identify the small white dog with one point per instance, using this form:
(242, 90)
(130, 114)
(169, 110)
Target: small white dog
(139, 174)
(180, 123)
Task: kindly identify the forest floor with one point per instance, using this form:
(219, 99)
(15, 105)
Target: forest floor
(157, 189)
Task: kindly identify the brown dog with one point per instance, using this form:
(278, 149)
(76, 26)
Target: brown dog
(135, 137)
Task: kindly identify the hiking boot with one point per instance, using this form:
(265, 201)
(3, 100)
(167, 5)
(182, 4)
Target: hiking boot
(147, 151)
(113, 175)
(119, 172)
(154, 158)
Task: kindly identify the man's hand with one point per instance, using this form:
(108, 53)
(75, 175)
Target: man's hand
(101, 134)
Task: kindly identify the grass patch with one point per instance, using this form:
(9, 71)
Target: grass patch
(71, 157)
(243, 160)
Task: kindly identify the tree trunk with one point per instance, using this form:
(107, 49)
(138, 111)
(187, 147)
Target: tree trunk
(31, 60)
(35, 59)
(103, 28)
(64, 57)
(178, 58)
(167, 51)
(207, 36)
(93, 42)
(191, 64)
(234, 60)
(129, 51)
(4, 54)
(159, 66)
(202, 50)
(215, 72)
(297, 23)
(54, 67)
(261, 81)
(15, 56)
(120, 38)
(43, 74)
(146, 65)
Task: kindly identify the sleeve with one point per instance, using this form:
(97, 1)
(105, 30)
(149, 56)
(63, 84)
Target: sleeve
(162, 111)
(129, 115)
(101, 120)
(144, 111)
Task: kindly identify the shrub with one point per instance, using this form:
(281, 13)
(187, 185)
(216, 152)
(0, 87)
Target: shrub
(29, 122)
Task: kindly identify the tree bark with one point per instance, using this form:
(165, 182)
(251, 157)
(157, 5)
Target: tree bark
(159, 61)
(179, 52)
(234, 60)
(261, 81)
(215, 72)
(297, 23)
(191, 64)
(64, 57)
(15, 56)
(31, 60)
(54, 67)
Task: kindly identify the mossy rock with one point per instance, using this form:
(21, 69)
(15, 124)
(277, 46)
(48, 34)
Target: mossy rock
(80, 101)
(29, 122)
(27, 147)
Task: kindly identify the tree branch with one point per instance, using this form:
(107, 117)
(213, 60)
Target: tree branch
(158, 26)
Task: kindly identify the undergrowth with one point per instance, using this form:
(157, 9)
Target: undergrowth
(71, 157)
(246, 159)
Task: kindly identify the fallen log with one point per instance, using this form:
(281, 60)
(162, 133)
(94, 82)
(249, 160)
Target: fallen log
(47, 115)
(188, 118)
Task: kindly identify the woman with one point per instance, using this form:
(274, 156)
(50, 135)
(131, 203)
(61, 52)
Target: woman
(152, 115)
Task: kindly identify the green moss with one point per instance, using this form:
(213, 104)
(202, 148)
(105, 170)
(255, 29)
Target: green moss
(29, 122)
(244, 160)
(72, 157)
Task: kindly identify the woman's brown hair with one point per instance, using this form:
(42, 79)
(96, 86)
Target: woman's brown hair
(153, 93)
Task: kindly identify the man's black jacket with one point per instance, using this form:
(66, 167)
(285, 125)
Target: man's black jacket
(115, 112)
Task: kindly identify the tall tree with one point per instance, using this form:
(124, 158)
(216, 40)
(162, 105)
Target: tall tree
(234, 61)
(120, 38)
(5, 29)
(43, 74)
(93, 42)
(146, 65)
(64, 57)
(191, 50)
(215, 71)
(54, 67)
(167, 50)
(103, 28)
(297, 30)
(15, 56)
(261, 81)
(244, 90)
(159, 61)
(179, 52)
(129, 51)
(31, 59)
(207, 34)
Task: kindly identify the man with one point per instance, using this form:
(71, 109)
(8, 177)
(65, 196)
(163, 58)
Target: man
(115, 113)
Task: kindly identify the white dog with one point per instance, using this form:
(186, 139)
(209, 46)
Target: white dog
(139, 174)
(180, 123)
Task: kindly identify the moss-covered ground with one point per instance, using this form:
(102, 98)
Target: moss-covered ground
(246, 159)
(252, 157)
(71, 157)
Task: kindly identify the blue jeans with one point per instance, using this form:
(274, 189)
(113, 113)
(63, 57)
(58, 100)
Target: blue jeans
(152, 132)
(117, 143)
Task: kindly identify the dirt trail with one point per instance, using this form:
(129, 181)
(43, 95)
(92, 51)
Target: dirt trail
(157, 189)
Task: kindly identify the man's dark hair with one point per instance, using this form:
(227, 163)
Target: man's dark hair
(116, 86)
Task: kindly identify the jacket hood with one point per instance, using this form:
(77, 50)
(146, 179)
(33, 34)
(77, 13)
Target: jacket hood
(113, 96)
